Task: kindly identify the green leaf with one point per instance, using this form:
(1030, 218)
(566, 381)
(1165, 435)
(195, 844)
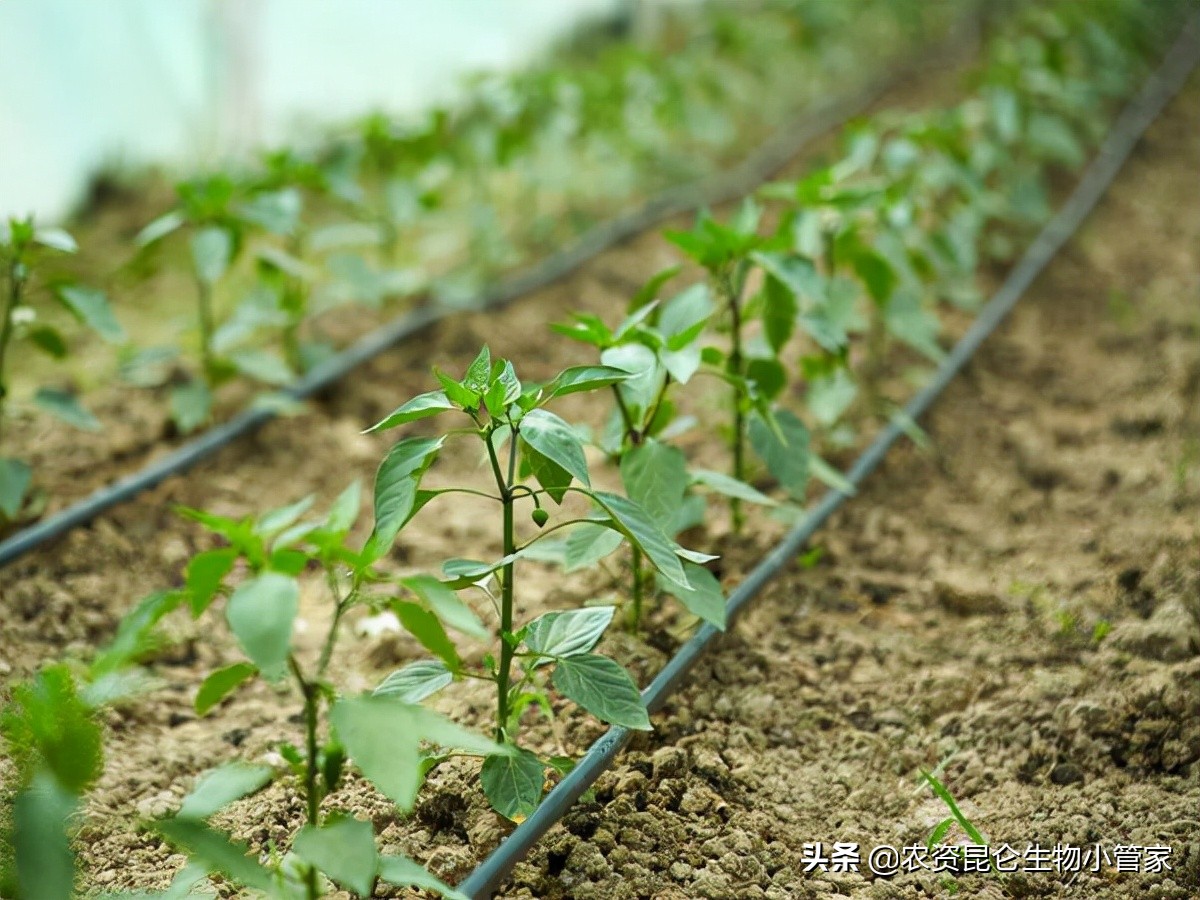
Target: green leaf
(479, 372)
(589, 543)
(90, 306)
(396, 485)
(829, 397)
(457, 393)
(133, 636)
(827, 474)
(553, 478)
(645, 374)
(426, 628)
(420, 407)
(66, 406)
(648, 292)
(655, 477)
(218, 852)
(778, 313)
(403, 872)
(276, 520)
(343, 513)
(643, 532)
(684, 316)
(49, 340)
(704, 598)
(556, 440)
(261, 613)
(344, 849)
(56, 239)
(447, 605)
(582, 378)
(513, 784)
(160, 228)
(416, 681)
(191, 405)
(908, 318)
(221, 683)
(568, 633)
(221, 786)
(212, 251)
(47, 715)
(262, 365)
(15, 477)
(45, 864)
(383, 738)
(787, 459)
(768, 375)
(603, 688)
(875, 271)
(730, 487)
(204, 574)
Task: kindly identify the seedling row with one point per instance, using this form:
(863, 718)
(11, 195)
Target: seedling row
(810, 292)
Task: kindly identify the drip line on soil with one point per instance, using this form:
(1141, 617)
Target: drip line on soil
(1137, 116)
(769, 158)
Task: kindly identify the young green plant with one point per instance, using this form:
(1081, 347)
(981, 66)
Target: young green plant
(521, 440)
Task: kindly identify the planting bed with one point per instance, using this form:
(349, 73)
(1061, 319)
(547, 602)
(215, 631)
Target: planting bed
(1023, 594)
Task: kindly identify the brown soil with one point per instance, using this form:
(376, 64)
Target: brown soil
(960, 607)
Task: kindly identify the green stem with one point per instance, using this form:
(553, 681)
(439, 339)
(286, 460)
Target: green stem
(635, 609)
(204, 308)
(312, 701)
(15, 283)
(735, 368)
(506, 595)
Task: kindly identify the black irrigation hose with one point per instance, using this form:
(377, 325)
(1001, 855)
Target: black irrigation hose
(767, 160)
(1125, 133)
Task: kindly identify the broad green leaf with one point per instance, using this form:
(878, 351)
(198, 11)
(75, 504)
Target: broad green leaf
(645, 374)
(589, 543)
(829, 397)
(778, 313)
(191, 405)
(66, 406)
(262, 365)
(221, 786)
(212, 251)
(133, 636)
(876, 273)
(682, 364)
(396, 485)
(827, 474)
(420, 407)
(457, 393)
(15, 477)
(221, 683)
(403, 872)
(556, 440)
(768, 375)
(787, 459)
(643, 532)
(56, 239)
(583, 378)
(261, 613)
(204, 574)
(703, 598)
(648, 292)
(160, 228)
(344, 849)
(416, 681)
(1051, 138)
(91, 307)
(603, 688)
(49, 340)
(276, 520)
(513, 784)
(911, 321)
(343, 513)
(218, 852)
(276, 211)
(382, 736)
(730, 487)
(568, 633)
(683, 317)
(45, 864)
(553, 478)
(446, 604)
(48, 715)
(426, 628)
(479, 372)
(655, 477)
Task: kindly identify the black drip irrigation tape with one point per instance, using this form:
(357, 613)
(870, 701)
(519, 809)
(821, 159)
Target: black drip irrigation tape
(767, 160)
(1128, 129)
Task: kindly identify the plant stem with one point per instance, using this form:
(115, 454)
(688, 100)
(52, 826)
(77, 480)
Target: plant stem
(15, 282)
(312, 702)
(506, 595)
(735, 368)
(204, 307)
(635, 609)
